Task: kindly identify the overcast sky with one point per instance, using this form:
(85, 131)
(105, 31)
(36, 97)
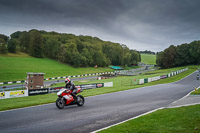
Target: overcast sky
(140, 24)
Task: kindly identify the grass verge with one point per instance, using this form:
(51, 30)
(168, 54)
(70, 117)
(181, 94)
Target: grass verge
(196, 92)
(15, 68)
(175, 120)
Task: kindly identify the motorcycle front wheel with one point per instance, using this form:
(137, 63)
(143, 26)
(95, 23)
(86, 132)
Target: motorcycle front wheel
(80, 100)
(60, 103)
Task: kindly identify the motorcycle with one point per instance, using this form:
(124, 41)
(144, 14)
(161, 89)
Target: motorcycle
(65, 98)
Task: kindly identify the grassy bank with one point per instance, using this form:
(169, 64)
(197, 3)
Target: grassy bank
(148, 58)
(15, 66)
(176, 120)
(119, 84)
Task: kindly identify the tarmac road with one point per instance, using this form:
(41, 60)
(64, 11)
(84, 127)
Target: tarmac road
(98, 112)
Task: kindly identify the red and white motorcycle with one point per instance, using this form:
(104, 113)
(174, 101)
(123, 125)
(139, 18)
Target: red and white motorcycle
(65, 98)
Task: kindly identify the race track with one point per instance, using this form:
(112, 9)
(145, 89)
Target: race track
(98, 112)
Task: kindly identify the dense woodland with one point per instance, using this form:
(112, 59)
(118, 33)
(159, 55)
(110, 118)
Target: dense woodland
(78, 51)
(181, 55)
(147, 52)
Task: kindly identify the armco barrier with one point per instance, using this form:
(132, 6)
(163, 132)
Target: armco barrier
(84, 87)
(149, 80)
(22, 93)
(163, 76)
(156, 78)
(108, 84)
(142, 81)
(145, 80)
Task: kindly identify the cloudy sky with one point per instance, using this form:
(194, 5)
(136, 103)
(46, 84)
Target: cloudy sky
(139, 24)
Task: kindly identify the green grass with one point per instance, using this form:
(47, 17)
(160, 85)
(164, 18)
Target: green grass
(148, 58)
(14, 67)
(176, 120)
(128, 82)
(20, 102)
(119, 84)
(196, 92)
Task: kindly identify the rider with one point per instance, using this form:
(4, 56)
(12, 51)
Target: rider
(71, 86)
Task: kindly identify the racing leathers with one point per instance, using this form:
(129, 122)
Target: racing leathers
(72, 87)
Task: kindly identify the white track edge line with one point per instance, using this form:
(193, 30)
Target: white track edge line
(184, 105)
(151, 112)
(185, 96)
(26, 107)
(128, 119)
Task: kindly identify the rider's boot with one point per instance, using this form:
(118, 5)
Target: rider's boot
(75, 97)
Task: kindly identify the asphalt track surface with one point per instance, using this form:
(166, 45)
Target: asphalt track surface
(98, 112)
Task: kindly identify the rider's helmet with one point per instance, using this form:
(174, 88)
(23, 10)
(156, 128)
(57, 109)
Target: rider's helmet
(67, 80)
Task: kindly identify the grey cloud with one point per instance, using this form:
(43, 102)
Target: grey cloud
(140, 24)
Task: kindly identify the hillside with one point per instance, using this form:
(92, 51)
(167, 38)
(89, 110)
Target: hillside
(148, 58)
(77, 51)
(14, 67)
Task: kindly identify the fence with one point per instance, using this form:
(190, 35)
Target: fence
(130, 82)
(147, 80)
(12, 94)
(137, 71)
(83, 75)
(22, 93)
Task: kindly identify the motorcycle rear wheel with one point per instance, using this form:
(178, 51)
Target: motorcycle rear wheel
(60, 103)
(80, 100)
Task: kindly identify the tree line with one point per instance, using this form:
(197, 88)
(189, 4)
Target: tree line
(78, 51)
(181, 55)
(147, 52)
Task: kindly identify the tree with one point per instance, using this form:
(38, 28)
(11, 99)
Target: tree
(52, 47)
(37, 45)
(12, 45)
(4, 38)
(77, 51)
(3, 44)
(86, 58)
(15, 35)
(182, 57)
(135, 57)
(194, 50)
(71, 53)
(184, 54)
(25, 42)
(100, 59)
(61, 54)
(169, 56)
(3, 48)
(160, 59)
(166, 58)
